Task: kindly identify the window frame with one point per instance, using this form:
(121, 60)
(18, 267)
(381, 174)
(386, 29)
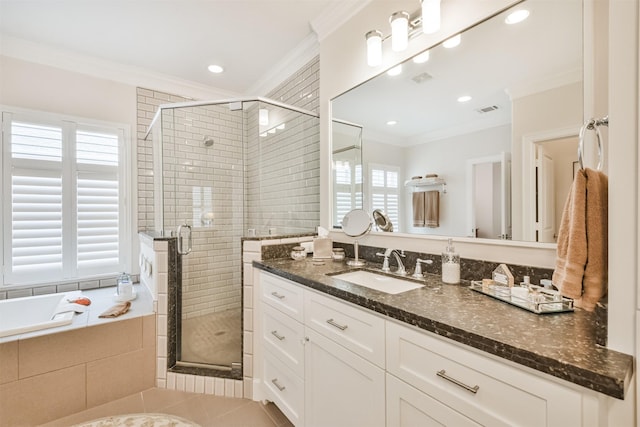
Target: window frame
(70, 126)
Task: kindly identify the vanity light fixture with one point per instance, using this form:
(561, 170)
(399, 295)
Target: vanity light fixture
(215, 69)
(263, 117)
(517, 16)
(374, 48)
(452, 42)
(395, 70)
(430, 16)
(421, 58)
(404, 26)
(399, 31)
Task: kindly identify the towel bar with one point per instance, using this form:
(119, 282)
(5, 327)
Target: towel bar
(592, 124)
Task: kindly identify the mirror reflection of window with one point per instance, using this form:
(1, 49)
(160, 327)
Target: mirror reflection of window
(385, 191)
(347, 169)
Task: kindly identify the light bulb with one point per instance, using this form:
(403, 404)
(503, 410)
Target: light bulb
(395, 70)
(421, 58)
(374, 48)
(430, 16)
(399, 31)
(517, 16)
(452, 42)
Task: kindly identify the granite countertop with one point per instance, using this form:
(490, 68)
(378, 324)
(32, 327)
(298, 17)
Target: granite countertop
(562, 345)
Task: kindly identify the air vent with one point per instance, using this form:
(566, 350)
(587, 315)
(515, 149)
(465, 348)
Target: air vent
(487, 109)
(422, 77)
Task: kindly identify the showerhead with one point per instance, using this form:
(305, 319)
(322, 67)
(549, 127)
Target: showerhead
(208, 141)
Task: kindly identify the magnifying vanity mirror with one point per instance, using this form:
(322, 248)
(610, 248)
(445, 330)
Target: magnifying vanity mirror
(491, 125)
(356, 223)
(382, 221)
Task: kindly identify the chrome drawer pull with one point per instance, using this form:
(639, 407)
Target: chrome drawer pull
(277, 335)
(277, 295)
(443, 374)
(275, 382)
(337, 325)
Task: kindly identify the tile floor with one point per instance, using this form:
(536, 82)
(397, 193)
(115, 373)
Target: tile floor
(203, 409)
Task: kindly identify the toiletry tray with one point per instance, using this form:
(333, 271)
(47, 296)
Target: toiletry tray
(534, 299)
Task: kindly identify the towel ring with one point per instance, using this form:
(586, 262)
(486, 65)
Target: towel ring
(592, 124)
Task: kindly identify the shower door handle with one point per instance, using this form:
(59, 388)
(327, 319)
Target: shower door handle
(181, 249)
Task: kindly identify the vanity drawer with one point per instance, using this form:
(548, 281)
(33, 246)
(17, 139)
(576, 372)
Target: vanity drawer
(355, 329)
(484, 389)
(282, 294)
(284, 337)
(284, 388)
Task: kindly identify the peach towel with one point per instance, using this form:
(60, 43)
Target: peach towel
(582, 257)
(116, 310)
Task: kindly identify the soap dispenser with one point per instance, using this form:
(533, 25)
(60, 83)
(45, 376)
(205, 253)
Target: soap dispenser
(450, 265)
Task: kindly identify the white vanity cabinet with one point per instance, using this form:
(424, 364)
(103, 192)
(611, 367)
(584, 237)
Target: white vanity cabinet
(331, 363)
(430, 377)
(344, 364)
(282, 338)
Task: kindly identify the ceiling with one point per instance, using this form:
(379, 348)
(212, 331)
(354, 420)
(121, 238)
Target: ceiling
(174, 38)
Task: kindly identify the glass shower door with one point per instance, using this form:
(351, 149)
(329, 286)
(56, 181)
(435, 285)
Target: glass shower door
(204, 208)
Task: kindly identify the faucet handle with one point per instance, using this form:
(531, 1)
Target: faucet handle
(418, 271)
(385, 263)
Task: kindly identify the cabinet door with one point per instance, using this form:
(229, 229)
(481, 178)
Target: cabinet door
(341, 388)
(409, 407)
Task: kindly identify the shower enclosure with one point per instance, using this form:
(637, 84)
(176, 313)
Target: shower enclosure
(224, 170)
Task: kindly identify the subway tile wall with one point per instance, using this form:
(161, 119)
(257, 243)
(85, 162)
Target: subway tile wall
(279, 173)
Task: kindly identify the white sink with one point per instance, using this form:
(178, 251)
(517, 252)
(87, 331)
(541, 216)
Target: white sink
(379, 282)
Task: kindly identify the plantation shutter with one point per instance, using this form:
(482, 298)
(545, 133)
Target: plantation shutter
(98, 201)
(64, 204)
(347, 189)
(385, 191)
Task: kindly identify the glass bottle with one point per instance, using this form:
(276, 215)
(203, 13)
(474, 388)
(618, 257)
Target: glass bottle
(450, 265)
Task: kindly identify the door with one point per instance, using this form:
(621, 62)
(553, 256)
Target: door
(545, 196)
(341, 388)
(489, 197)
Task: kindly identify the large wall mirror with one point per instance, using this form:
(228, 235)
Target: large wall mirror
(475, 140)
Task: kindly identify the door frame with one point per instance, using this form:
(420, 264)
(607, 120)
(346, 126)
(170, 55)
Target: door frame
(529, 142)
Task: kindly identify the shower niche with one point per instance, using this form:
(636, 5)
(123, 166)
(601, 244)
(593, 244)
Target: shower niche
(222, 168)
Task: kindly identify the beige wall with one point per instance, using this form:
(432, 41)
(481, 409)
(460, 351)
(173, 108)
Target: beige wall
(55, 375)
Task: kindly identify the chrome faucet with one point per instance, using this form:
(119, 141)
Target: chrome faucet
(385, 265)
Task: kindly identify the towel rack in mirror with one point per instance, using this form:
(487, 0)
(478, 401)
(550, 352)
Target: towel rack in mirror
(592, 124)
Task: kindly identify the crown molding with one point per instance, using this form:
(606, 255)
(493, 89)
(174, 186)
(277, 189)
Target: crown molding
(333, 17)
(135, 76)
(545, 83)
(304, 52)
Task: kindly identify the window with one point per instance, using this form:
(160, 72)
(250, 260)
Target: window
(347, 184)
(63, 199)
(385, 191)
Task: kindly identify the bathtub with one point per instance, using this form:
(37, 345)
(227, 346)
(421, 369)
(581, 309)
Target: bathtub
(20, 315)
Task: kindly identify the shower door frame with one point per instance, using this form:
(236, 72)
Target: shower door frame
(174, 339)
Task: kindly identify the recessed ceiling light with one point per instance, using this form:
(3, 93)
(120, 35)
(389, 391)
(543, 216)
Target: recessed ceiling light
(215, 69)
(517, 16)
(464, 98)
(392, 122)
(395, 70)
(452, 42)
(421, 58)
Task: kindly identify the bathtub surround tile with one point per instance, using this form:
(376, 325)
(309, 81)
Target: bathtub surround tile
(149, 331)
(50, 352)
(58, 393)
(69, 287)
(20, 293)
(8, 362)
(118, 376)
(89, 284)
(44, 290)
